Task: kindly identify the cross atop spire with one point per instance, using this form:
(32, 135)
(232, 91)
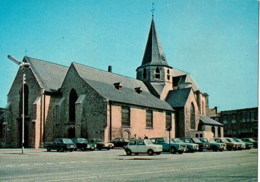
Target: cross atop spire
(152, 10)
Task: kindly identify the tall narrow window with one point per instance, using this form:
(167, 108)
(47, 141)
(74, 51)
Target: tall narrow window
(157, 73)
(149, 119)
(72, 107)
(125, 111)
(144, 74)
(168, 74)
(26, 100)
(192, 116)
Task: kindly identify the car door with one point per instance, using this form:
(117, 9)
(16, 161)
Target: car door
(140, 146)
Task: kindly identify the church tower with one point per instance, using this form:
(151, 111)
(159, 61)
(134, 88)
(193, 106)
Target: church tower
(154, 70)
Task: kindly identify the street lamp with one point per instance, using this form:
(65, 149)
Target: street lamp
(22, 65)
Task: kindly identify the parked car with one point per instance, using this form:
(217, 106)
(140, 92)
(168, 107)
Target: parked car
(202, 146)
(137, 146)
(241, 145)
(190, 147)
(61, 144)
(250, 140)
(229, 145)
(101, 144)
(213, 144)
(248, 145)
(83, 144)
(120, 142)
(169, 145)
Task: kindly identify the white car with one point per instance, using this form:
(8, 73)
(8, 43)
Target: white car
(137, 146)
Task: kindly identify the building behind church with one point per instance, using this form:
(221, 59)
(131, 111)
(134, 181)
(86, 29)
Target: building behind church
(80, 101)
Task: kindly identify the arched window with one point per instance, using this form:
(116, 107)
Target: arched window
(26, 101)
(72, 108)
(192, 116)
(144, 74)
(157, 73)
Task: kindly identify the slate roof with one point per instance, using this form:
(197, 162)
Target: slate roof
(154, 54)
(184, 77)
(209, 121)
(178, 98)
(103, 83)
(49, 75)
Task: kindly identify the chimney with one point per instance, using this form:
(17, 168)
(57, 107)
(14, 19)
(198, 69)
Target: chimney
(110, 68)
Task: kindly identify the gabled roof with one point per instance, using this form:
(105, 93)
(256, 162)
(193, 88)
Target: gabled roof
(154, 54)
(103, 82)
(208, 121)
(49, 75)
(178, 98)
(184, 77)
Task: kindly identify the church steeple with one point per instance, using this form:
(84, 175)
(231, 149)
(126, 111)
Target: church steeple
(154, 54)
(154, 70)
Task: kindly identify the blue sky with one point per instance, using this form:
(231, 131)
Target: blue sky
(216, 41)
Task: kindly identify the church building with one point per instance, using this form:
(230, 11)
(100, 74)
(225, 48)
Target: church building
(80, 101)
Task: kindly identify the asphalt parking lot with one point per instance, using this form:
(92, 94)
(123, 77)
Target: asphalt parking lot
(115, 165)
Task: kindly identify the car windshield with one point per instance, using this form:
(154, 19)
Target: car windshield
(196, 140)
(66, 140)
(224, 140)
(97, 140)
(176, 140)
(251, 140)
(203, 139)
(238, 140)
(212, 140)
(82, 140)
(148, 142)
(231, 140)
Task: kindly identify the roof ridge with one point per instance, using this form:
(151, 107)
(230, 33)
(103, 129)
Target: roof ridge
(45, 61)
(107, 71)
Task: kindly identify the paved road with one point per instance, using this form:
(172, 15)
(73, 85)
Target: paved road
(114, 165)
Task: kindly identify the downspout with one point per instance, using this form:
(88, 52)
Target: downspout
(44, 117)
(110, 120)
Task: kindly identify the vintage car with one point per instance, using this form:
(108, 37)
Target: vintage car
(242, 145)
(213, 144)
(229, 145)
(202, 146)
(190, 147)
(137, 146)
(248, 145)
(120, 142)
(169, 145)
(101, 144)
(60, 144)
(250, 140)
(83, 144)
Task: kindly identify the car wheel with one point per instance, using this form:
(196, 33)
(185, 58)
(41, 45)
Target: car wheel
(229, 148)
(180, 152)
(71, 150)
(92, 148)
(201, 149)
(173, 150)
(136, 153)
(221, 150)
(128, 152)
(189, 150)
(215, 148)
(48, 149)
(150, 152)
(83, 149)
(61, 150)
(99, 148)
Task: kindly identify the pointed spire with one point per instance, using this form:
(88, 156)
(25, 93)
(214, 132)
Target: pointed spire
(154, 54)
